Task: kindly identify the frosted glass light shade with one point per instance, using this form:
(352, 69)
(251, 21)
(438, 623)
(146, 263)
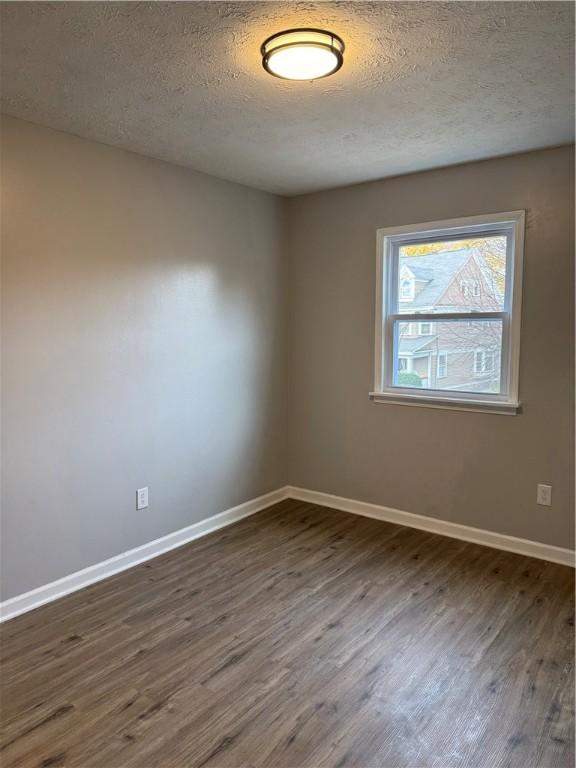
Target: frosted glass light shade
(302, 54)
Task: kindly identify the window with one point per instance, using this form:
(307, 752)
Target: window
(407, 329)
(470, 288)
(468, 274)
(442, 365)
(479, 361)
(483, 361)
(407, 289)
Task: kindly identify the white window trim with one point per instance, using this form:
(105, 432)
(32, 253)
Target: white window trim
(443, 355)
(488, 360)
(411, 292)
(386, 283)
(470, 286)
(482, 369)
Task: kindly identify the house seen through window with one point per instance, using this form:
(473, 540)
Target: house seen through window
(449, 299)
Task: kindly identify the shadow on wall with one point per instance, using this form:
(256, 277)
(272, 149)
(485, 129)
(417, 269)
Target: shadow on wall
(143, 346)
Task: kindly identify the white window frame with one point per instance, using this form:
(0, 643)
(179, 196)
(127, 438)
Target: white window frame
(479, 370)
(511, 224)
(470, 286)
(411, 291)
(404, 360)
(444, 357)
(423, 333)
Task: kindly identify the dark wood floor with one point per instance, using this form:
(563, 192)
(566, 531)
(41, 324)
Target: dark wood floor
(301, 637)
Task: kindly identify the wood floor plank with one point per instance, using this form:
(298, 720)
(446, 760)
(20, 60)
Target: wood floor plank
(301, 637)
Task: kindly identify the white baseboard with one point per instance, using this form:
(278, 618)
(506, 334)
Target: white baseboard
(13, 607)
(433, 525)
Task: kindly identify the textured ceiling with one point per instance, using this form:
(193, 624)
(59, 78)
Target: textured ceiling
(424, 84)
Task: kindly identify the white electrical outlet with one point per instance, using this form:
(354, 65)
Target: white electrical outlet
(544, 495)
(142, 498)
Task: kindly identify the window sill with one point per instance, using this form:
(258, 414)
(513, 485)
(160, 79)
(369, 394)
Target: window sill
(452, 403)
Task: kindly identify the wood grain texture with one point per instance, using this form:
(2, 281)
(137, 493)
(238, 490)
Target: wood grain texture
(301, 637)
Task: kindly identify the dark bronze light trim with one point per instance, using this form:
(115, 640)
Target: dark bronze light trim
(336, 49)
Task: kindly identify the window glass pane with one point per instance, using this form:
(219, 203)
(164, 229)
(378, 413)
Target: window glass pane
(452, 276)
(453, 355)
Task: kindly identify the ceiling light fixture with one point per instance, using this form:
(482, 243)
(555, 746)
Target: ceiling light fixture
(302, 54)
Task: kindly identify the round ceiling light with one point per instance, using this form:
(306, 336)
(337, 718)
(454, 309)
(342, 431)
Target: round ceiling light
(302, 54)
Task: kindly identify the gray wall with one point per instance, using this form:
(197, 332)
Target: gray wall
(143, 344)
(143, 323)
(475, 469)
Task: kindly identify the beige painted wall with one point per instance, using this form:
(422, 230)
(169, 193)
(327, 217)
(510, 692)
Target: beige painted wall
(143, 344)
(475, 469)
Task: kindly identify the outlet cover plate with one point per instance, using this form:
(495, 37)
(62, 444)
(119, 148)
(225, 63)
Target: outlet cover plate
(142, 498)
